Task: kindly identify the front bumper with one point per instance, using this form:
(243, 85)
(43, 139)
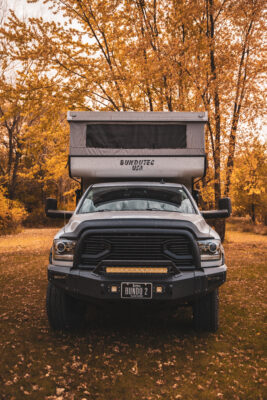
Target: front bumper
(180, 287)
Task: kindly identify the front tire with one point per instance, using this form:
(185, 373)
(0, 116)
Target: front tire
(64, 312)
(206, 312)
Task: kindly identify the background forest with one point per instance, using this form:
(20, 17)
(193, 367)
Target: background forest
(131, 55)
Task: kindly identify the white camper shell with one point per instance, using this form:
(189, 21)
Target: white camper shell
(137, 145)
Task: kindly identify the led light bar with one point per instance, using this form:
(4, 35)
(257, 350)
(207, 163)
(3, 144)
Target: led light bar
(136, 270)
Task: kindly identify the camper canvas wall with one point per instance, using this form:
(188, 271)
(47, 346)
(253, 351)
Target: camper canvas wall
(136, 145)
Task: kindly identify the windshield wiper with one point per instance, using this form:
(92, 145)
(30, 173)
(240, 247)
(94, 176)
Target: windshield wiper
(147, 209)
(101, 210)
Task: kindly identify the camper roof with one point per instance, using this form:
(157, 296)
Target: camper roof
(129, 116)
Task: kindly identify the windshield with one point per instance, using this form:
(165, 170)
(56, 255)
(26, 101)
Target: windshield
(136, 198)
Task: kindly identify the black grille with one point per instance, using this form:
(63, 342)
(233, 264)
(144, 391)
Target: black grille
(94, 246)
(139, 247)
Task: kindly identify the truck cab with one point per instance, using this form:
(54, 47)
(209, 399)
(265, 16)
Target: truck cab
(137, 234)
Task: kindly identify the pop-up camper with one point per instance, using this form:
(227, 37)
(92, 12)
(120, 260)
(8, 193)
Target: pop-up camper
(137, 145)
(137, 234)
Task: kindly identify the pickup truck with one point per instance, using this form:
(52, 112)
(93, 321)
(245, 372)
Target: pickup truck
(135, 241)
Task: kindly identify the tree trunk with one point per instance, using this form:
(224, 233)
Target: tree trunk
(239, 96)
(253, 216)
(216, 100)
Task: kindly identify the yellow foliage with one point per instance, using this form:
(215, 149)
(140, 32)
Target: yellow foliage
(125, 56)
(250, 181)
(12, 213)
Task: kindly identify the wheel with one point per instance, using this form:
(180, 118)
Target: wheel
(206, 312)
(64, 312)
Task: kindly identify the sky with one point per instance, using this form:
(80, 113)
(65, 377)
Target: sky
(24, 9)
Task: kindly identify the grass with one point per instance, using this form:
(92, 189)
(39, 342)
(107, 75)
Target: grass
(129, 356)
(244, 224)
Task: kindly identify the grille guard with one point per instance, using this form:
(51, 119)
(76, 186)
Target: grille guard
(119, 231)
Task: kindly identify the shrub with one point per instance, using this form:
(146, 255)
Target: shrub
(38, 219)
(243, 224)
(12, 213)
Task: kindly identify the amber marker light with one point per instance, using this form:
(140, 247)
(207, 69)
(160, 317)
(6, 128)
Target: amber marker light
(136, 270)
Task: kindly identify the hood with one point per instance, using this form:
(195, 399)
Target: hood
(195, 219)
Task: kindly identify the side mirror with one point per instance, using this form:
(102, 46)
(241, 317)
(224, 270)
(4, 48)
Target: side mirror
(52, 211)
(225, 210)
(50, 204)
(195, 194)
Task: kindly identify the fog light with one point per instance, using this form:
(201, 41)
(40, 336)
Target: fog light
(159, 289)
(136, 270)
(114, 289)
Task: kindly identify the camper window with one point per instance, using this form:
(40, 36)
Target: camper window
(138, 136)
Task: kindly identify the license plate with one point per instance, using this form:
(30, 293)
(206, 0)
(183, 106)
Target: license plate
(135, 290)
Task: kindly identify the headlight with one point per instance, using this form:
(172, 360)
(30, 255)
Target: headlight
(63, 249)
(210, 249)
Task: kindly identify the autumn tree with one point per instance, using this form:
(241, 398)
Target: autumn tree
(33, 130)
(223, 60)
(249, 188)
(12, 213)
(10, 117)
(155, 56)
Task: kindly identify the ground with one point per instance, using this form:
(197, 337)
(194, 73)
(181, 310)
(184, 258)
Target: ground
(131, 356)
